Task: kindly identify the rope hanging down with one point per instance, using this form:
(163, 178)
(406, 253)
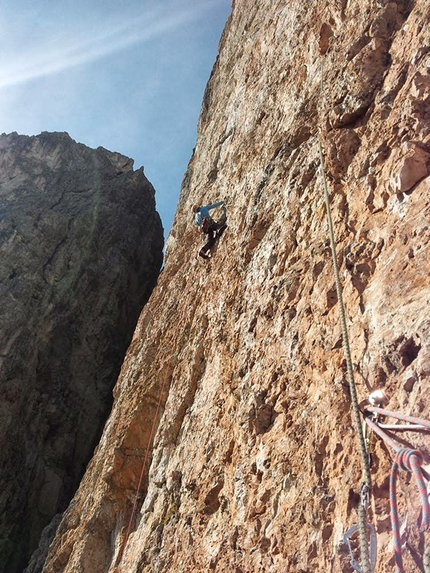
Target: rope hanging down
(409, 460)
(142, 473)
(362, 508)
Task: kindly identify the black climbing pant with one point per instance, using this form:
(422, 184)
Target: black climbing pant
(214, 232)
(212, 239)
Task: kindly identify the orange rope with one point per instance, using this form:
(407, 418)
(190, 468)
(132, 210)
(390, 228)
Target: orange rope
(142, 471)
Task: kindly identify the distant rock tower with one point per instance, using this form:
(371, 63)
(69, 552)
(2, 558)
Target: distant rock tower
(80, 252)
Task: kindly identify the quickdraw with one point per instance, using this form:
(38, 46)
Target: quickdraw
(348, 540)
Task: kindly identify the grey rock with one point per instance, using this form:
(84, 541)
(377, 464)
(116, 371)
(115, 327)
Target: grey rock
(80, 252)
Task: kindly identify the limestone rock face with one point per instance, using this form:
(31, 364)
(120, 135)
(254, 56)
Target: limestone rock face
(254, 465)
(81, 248)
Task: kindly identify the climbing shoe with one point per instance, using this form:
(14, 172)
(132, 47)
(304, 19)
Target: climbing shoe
(204, 255)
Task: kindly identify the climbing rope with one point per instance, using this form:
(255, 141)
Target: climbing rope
(409, 460)
(365, 490)
(142, 473)
(418, 423)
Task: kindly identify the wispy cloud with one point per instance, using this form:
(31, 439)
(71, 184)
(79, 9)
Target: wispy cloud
(62, 54)
(142, 101)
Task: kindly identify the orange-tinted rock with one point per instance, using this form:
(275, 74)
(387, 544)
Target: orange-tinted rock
(255, 464)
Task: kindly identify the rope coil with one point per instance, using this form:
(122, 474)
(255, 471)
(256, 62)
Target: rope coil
(409, 460)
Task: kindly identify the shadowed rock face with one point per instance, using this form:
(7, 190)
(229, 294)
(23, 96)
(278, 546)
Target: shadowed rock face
(81, 248)
(255, 465)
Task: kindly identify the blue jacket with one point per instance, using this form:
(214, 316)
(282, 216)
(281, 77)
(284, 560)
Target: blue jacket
(203, 212)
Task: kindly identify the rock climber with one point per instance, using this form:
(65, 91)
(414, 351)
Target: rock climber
(212, 229)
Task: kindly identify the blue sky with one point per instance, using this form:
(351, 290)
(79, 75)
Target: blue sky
(127, 75)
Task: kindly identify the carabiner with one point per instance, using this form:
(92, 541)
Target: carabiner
(373, 550)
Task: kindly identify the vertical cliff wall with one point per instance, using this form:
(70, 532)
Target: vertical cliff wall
(255, 466)
(81, 248)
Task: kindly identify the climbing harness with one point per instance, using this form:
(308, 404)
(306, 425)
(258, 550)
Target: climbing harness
(406, 459)
(366, 565)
